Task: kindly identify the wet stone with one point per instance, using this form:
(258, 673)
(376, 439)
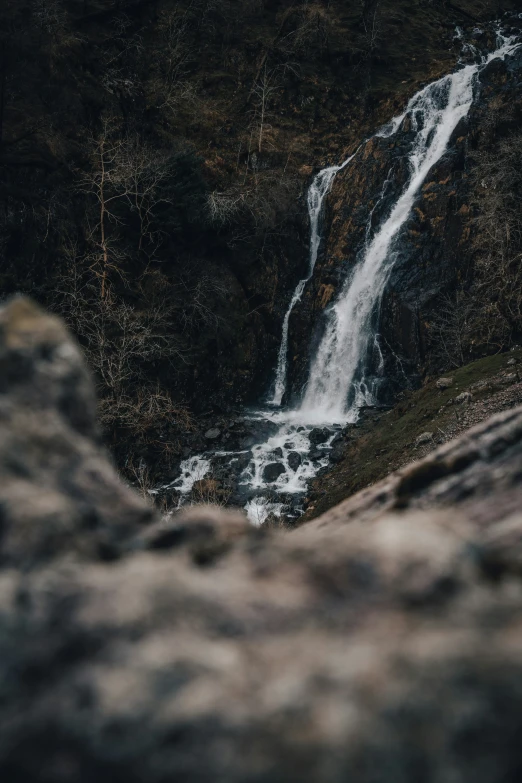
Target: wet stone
(318, 436)
(243, 460)
(294, 460)
(248, 442)
(337, 453)
(426, 437)
(212, 434)
(272, 471)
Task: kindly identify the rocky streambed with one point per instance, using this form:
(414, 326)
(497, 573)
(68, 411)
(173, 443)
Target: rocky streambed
(257, 462)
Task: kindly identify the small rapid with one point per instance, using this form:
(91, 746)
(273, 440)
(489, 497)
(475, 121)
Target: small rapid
(344, 372)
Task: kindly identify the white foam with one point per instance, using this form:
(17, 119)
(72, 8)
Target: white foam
(320, 186)
(259, 509)
(192, 470)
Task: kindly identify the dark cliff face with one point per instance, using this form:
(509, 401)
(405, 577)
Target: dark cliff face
(436, 252)
(219, 111)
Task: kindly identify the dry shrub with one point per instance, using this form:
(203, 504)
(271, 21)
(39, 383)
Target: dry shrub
(139, 475)
(310, 29)
(497, 289)
(210, 492)
(149, 407)
(450, 331)
(486, 316)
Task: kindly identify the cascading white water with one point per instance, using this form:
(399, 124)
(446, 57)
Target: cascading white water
(192, 470)
(337, 371)
(337, 385)
(316, 193)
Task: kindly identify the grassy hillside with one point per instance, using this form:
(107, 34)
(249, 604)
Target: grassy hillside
(385, 441)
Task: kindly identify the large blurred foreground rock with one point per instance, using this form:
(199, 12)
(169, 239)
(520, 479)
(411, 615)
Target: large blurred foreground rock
(380, 643)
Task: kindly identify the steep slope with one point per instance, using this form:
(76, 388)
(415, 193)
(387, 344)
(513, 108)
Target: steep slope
(443, 409)
(436, 270)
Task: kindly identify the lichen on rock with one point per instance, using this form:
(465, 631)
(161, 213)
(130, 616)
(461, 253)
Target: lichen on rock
(379, 643)
(58, 489)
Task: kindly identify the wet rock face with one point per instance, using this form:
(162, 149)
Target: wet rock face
(379, 643)
(435, 248)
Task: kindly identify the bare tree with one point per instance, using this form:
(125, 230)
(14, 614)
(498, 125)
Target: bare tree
(199, 301)
(451, 328)
(120, 339)
(263, 91)
(123, 171)
(372, 24)
(49, 15)
(54, 24)
(100, 181)
(141, 173)
(169, 82)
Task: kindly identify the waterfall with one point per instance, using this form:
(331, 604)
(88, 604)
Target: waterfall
(281, 466)
(435, 112)
(318, 189)
(337, 374)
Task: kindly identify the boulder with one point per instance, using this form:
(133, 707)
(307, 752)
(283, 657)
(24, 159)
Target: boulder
(272, 471)
(213, 434)
(379, 643)
(294, 460)
(59, 491)
(318, 436)
(444, 383)
(464, 397)
(426, 437)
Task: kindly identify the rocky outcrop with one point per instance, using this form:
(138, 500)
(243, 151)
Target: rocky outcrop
(59, 493)
(379, 643)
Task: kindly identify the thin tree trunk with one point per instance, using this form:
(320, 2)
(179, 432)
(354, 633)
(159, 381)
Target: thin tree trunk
(261, 123)
(3, 80)
(105, 254)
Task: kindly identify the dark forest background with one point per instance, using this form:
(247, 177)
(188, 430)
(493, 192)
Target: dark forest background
(154, 157)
